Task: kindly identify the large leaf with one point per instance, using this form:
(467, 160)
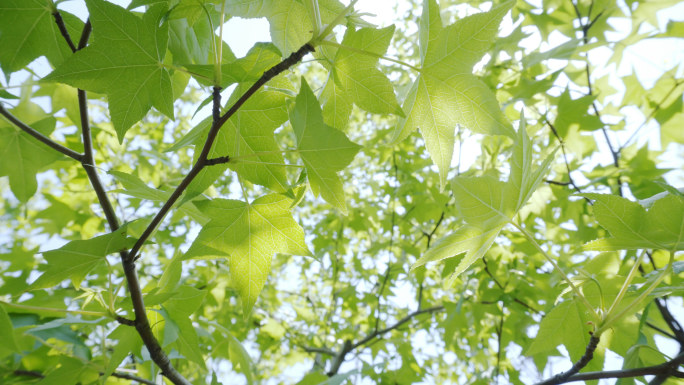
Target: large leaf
(354, 77)
(28, 30)
(22, 156)
(124, 62)
(324, 149)
(77, 258)
(446, 93)
(486, 204)
(250, 234)
(632, 227)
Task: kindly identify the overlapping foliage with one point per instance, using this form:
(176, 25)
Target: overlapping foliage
(435, 201)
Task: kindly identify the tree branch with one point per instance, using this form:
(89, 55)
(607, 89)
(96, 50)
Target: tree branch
(141, 322)
(274, 71)
(396, 325)
(583, 361)
(125, 376)
(63, 30)
(667, 369)
(40, 137)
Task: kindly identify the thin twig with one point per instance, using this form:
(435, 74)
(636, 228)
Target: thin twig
(583, 361)
(125, 376)
(293, 59)
(667, 368)
(42, 138)
(63, 30)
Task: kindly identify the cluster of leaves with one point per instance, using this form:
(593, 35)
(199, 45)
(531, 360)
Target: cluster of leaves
(305, 232)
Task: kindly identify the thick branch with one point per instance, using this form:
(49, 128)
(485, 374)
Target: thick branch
(274, 71)
(42, 138)
(588, 355)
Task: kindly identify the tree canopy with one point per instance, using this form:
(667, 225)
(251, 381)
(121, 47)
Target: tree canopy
(478, 193)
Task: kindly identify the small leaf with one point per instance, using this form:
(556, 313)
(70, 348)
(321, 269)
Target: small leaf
(7, 332)
(128, 342)
(77, 258)
(324, 149)
(22, 155)
(470, 240)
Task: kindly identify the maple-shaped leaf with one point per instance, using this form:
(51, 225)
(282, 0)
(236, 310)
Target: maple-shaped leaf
(124, 62)
(567, 324)
(77, 258)
(28, 30)
(323, 149)
(22, 155)
(290, 23)
(446, 93)
(250, 234)
(486, 205)
(247, 137)
(354, 77)
(632, 227)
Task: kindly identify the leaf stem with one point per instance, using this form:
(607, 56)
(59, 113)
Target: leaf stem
(625, 285)
(219, 54)
(318, 39)
(369, 53)
(555, 266)
(610, 320)
(40, 137)
(55, 310)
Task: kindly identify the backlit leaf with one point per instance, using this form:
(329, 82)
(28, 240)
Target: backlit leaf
(250, 234)
(124, 47)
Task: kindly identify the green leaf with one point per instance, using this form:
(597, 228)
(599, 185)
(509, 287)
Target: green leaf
(575, 113)
(28, 30)
(486, 205)
(472, 241)
(240, 358)
(250, 233)
(185, 301)
(7, 332)
(247, 137)
(248, 69)
(446, 93)
(22, 155)
(323, 149)
(632, 227)
(128, 342)
(523, 179)
(124, 62)
(178, 329)
(356, 75)
(565, 324)
(484, 202)
(77, 258)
